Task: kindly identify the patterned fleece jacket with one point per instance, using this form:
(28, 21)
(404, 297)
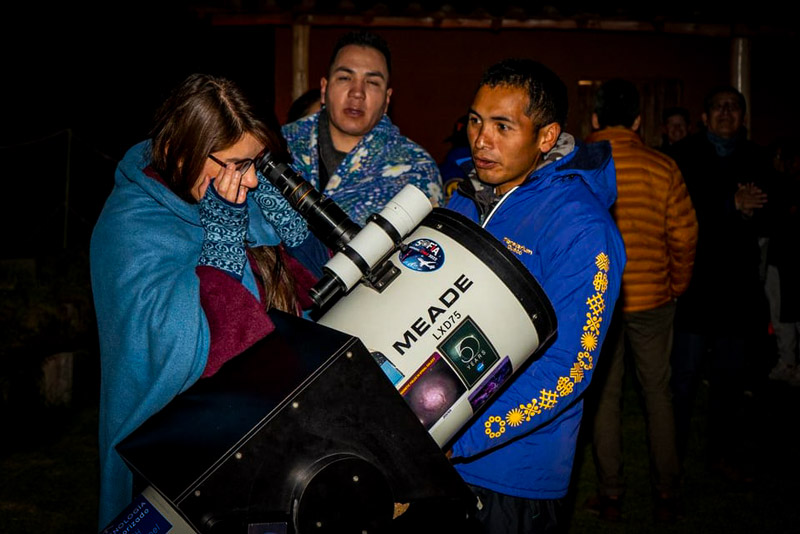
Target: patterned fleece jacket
(379, 166)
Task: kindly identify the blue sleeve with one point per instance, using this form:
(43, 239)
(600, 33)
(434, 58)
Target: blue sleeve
(225, 226)
(582, 281)
(289, 225)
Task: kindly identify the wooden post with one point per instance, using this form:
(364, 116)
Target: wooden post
(740, 73)
(300, 38)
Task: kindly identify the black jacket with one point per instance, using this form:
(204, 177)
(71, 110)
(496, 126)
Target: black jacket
(725, 295)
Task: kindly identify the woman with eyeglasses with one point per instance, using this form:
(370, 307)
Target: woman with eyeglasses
(185, 261)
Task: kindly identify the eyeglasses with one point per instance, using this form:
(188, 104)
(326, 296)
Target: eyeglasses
(243, 165)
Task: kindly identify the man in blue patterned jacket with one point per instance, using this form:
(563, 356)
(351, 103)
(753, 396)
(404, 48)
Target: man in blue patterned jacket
(546, 196)
(350, 150)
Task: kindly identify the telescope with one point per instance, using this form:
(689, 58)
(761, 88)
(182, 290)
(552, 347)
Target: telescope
(338, 425)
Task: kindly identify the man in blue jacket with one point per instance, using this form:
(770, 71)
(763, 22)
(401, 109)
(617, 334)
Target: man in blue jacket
(546, 195)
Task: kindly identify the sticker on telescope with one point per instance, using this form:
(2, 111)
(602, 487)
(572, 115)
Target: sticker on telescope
(139, 516)
(432, 390)
(387, 367)
(469, 351)
(423, 255)
(485, 390)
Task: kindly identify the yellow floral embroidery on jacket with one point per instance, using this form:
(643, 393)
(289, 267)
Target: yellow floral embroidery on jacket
(495, 425)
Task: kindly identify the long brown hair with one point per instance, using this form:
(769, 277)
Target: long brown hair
(278, 281)
(206, 114)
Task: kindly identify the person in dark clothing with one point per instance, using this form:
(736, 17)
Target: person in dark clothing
(674, 127)
(723, 312)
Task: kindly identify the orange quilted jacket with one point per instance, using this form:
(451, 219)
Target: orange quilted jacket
(656, 218)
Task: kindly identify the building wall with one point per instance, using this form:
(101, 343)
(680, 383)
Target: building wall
(435, 72)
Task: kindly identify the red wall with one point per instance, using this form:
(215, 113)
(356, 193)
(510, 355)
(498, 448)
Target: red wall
(435, 72)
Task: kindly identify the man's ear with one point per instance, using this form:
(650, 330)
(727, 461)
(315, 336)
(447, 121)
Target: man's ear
(595, 121)
(323, 84)
(548, 135)
(636, 123)
(704, 116)
(388, 98)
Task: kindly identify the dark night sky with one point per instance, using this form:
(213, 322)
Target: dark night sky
(101, 75)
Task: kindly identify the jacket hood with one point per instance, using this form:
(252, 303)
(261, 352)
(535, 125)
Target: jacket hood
(592, 163)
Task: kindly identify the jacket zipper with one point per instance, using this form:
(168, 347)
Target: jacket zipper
(497, 206)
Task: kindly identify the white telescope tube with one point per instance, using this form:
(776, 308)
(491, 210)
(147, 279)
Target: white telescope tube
(400, 216)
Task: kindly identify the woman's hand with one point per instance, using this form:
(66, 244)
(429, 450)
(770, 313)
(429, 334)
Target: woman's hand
(224, 218)
(227, 184)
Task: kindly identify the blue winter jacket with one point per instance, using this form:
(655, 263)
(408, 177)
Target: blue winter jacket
(557, 223)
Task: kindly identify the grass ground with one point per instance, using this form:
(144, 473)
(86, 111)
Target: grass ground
(48, 475)
(709, 504)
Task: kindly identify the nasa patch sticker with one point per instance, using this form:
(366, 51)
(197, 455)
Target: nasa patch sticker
(423, 255)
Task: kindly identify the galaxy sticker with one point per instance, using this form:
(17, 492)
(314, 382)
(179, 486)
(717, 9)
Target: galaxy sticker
(423, 255)
(387, 367)
(469, 351)
(490, 385)
(432, 390)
